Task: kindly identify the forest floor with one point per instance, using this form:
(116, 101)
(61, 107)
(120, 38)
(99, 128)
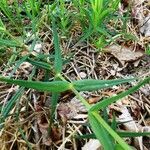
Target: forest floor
(118, 52)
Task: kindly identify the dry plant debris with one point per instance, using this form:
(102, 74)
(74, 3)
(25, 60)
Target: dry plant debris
(124, 54)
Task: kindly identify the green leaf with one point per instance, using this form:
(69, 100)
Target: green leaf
(118, 147)
(148, 50)
(11, 103)
(91, 84)
(116, 137)
(86, 136)
(57, 68)
(25, 138)
(54, 100)
(114, 123)
(17, 64)
(54, 86)
(2, 26)
(58, 59)
(108, 101)
(40, 64)
(100, 132)
(120, 133)
(132, 134)
(11, 43)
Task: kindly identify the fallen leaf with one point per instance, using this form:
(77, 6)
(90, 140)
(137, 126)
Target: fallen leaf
(93, 100)
(124, 54)
(145, 28)
(130, 125)
(43, 128)
(72, 108)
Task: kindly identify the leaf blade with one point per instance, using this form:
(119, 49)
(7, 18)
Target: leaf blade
(100, 132)
(110, 100)
(11, 43)
(58, 58)
(91, 84)
(54, 86)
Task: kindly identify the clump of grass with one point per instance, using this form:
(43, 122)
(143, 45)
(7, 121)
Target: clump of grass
(96, 12)
(94, 15)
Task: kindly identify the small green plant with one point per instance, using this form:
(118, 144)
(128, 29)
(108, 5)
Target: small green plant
(92, 15)
(109, 138)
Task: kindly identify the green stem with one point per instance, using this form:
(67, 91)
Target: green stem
(87, 105)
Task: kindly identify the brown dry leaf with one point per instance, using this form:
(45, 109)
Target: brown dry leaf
(43, 127)
(56, 133)
(145, 28)
(67, 110)
(93, 100)
(126, 117)
(130, 125)
(71, 109)
(124, 54)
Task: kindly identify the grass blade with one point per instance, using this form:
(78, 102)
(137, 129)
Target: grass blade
(54, 100)
(5, 111)
(100, 132)
(133, 134)
(18, 63)
(40, 64)
(55, 86)
(108, 101)
(110, 131)
(10, 43)
(90, 84)
(25, 138)
(120, 133)
(58, 59)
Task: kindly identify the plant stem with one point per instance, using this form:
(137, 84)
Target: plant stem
(87, 105)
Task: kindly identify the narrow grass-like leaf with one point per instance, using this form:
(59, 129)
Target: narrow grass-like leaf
(4, 7)
(25, 138)
(8, 107)
(100, 132)
(54, 86)
(91, 84)
(40, 64)
(109, 130)
(86, 35)
(10, 104)
(86, 136)
(114, 123)
(18, 63)
(10, 43)
(108, 101)
(57, 67)
(123, 134)
(58, 59)
(118, 147)
(54, 101)
(133, 134)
